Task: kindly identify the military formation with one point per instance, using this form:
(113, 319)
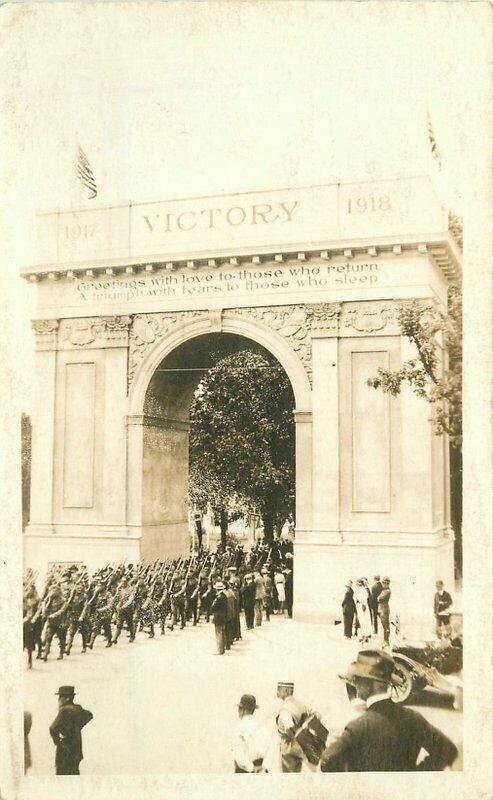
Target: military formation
(146, 598)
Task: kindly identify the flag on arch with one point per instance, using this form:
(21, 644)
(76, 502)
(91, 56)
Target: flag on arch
(85, 174)
(432, 140)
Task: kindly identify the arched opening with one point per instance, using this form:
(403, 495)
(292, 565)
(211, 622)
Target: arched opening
(164, 430)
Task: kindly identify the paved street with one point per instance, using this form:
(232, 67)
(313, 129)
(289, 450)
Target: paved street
(168, 705)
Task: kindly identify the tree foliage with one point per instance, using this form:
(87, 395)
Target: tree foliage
(435, 374)
(242, 439)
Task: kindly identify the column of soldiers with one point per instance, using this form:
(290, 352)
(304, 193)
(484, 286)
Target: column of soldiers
(139, 598)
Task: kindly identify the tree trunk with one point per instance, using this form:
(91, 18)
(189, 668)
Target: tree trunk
(268, 523)
(223, 521)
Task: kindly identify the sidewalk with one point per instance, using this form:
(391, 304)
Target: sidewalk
(168, 705)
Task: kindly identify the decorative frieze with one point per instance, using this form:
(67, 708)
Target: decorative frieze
(296, 323)
(45, 332)
(146, 329)
(364, 318)
(94, 332)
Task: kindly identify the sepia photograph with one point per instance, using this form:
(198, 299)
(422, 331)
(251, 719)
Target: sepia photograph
(241, 497)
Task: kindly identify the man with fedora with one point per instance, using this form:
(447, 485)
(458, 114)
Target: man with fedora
(66, 732)
(387, 737)
(250, 743)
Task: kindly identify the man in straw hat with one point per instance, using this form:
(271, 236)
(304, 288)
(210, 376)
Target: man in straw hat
(387, 737)
(66, 732)
(219, 611)
(251, 741)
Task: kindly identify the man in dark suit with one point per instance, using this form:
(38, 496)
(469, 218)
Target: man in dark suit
(219, 611)
(348, 610)
(248, 599)
(375, 591)
(66, 732)
(441, 607)
(387, 737)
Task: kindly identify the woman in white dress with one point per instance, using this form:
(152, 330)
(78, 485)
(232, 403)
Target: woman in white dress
(362, 610)
(280, 581)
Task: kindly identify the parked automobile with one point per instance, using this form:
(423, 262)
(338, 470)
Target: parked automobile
(423, 664)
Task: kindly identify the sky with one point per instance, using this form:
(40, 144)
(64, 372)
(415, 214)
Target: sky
(186, 98)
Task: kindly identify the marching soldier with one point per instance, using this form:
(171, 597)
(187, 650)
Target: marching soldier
(125, 608)
(192, 591)
(98, 612)
(179, 603)
(76, 623)
(55, 614)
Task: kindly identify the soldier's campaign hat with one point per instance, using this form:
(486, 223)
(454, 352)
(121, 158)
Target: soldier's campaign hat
(248, 702)
(66, 691)
(374, 665)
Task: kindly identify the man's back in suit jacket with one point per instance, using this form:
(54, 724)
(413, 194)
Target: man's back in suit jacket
(388, 738)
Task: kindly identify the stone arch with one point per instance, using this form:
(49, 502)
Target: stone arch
(157, 434)
(206, 323)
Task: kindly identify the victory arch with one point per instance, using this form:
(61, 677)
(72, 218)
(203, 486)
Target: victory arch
(130, 299)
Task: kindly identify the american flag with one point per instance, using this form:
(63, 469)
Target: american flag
(84, 173)
(432, 140)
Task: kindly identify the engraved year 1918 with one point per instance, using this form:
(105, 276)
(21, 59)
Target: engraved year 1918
(372, 203)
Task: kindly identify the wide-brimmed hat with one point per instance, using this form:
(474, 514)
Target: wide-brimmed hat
(66, 691)
(248, 702)
(373, 665)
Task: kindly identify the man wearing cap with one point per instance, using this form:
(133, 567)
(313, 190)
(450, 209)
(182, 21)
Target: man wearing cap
(66, 732)
(251, 742)
(290, 718)
(219, 608)
(383, 608)
(387, 737)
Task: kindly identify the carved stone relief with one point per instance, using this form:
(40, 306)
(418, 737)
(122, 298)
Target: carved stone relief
(295, 323)
(45, 331)
(146, 329)
(95, 331)
(367, 317)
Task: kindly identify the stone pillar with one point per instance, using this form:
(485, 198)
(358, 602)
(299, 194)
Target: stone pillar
(322, 526)
(79, 472)
(43, 427)
(158, 485)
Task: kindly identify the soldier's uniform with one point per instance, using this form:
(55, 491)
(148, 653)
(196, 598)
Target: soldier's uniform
(179, 604)
(55, 613)
(192, 598)
(76, 622)
(98, 613)
(125, 609)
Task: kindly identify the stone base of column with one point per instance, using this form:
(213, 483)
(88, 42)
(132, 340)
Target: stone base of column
(326, 560)
(163, 540)
(93, 546)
